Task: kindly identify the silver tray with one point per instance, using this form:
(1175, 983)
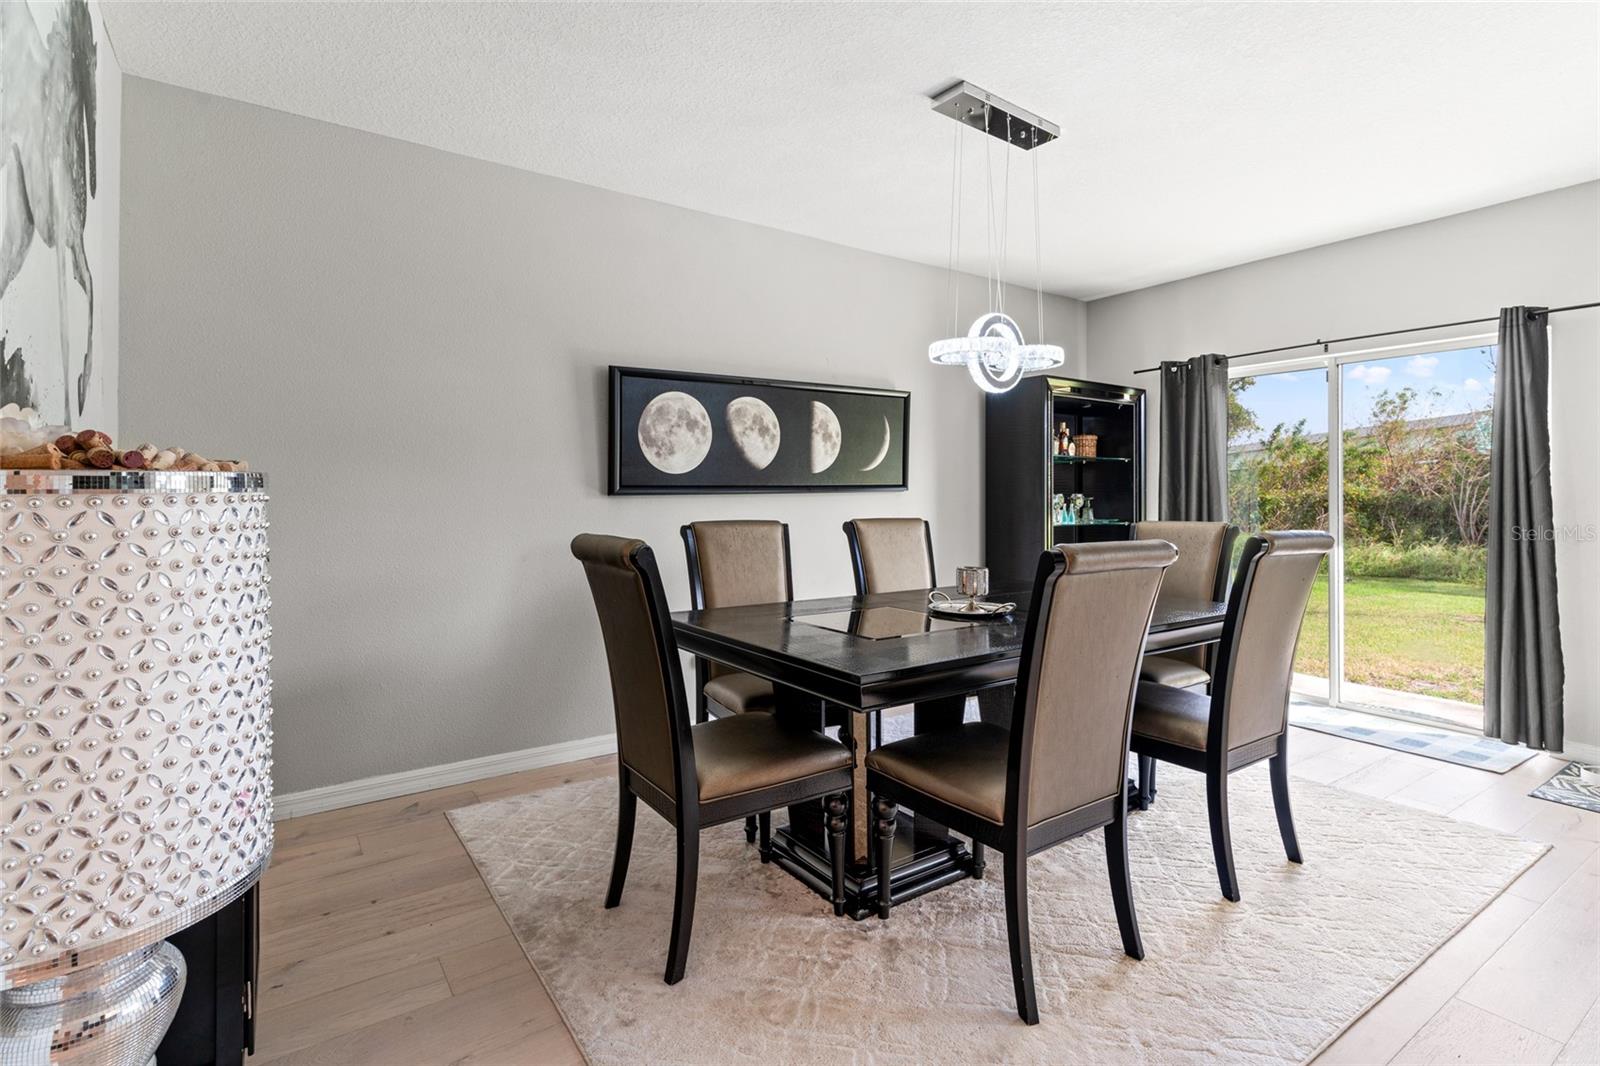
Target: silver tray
(978, 611)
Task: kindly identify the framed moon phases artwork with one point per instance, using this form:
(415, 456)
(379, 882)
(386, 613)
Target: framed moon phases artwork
(676, 432)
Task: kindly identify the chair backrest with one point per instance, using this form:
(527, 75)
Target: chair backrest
(890, 554)
(732, 563)
(1201, 571)
(1080, 665)
(738, 562)
(1255, 662)
(646, 675)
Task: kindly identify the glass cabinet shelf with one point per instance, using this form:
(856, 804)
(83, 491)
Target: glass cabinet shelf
(1096, 522)
(1092, 459)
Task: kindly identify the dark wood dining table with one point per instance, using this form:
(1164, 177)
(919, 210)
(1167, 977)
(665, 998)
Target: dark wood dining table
(844, 660)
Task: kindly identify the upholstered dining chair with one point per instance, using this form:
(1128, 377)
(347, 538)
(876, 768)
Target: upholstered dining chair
(890, 554)
(1245, 718)
(1061, 769)
(1201, 573)
(732, 564)
(701, 775)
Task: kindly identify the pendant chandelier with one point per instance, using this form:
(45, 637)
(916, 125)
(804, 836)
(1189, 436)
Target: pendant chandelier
(993, 349)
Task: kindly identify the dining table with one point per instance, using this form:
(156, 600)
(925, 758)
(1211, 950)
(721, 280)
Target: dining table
(844, 661)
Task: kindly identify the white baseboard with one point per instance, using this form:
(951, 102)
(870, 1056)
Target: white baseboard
(385, 786)
(1588, 754)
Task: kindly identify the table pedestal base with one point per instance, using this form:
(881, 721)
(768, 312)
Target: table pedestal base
(922, 861)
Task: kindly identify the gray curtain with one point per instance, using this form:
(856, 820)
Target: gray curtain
(1194, 439)
(1523, 670)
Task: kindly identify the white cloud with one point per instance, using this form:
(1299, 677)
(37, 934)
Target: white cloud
(1421, 366)
(1472, 385)
(1372, 375)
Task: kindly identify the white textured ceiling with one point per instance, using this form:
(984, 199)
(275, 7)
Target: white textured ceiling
(1193, 136)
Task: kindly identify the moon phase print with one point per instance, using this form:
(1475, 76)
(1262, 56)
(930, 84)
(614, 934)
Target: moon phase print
(677, 432)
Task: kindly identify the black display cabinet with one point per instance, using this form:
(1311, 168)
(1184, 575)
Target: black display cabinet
(215, 1023)
(1022, 474)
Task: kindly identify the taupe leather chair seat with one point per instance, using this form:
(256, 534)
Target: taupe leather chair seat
(1177, 716)
(741, 693)
(1178, 673)
(964, 767)
(746, 752)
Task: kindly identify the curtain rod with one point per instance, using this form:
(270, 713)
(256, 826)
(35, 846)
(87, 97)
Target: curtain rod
(1386, 333)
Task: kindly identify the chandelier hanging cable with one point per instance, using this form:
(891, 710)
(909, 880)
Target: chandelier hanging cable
(993, 349)
(1040, 356)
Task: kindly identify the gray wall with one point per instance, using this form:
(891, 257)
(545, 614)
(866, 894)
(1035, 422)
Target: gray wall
(412, 344)
(1539, 250)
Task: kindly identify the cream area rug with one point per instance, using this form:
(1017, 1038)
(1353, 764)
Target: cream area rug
(774, 977)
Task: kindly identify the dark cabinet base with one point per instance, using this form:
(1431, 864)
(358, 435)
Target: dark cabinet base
(215, 1024)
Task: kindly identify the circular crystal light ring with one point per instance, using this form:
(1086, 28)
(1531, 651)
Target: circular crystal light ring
(996, 371)
(1041, 356)
(997, 374)
(959, 351)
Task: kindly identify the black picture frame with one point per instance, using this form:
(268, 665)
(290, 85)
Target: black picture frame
(725, 464)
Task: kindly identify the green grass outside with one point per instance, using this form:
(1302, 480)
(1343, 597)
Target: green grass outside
(1407, 634)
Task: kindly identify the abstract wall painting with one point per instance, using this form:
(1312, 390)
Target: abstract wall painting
(677, 432)
(60, 172)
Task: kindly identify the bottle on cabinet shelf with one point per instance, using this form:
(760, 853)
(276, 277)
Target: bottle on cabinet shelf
(1063, 440)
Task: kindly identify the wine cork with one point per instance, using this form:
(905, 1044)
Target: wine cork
(44, 457)
(104, 458)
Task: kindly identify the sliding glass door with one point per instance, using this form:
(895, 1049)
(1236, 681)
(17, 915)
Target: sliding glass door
(1395, 622)
(1278, 479)
(1415, 515)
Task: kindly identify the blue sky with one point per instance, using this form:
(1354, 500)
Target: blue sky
(1463, 380)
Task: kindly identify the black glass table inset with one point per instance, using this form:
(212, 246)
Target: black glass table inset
(879, 623)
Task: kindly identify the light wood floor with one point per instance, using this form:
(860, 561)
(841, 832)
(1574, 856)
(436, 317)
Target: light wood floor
(381, 944)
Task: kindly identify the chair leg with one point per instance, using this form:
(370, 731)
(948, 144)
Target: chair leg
(764, 849)
(838, 819)
(750, 829)
(1221, 842)
(1278, 765)
(683, 903)
(1147, 781)
(978, 864)
(1016, 873)
(888, 815)
(627, 807)
(1122, 882)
